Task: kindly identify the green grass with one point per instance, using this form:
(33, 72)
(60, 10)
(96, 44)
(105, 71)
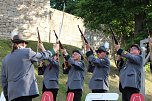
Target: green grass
(5, 48)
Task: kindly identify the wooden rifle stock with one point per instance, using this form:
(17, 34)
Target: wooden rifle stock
(61, 46)
(113, 36)
(86, 43)
(39, 38)
(84, 37)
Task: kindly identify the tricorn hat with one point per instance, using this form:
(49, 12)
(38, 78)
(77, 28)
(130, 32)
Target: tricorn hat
(101, 48)
(79, 52)
(19, 39)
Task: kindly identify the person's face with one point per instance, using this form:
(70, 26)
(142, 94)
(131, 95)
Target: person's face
(22, 45)
(76, 56)
(134, 51)
(101, 54)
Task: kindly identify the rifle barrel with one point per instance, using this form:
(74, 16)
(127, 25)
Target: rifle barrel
(84, 38)
(83, 35)
(61, 46)
(39, 35)
(113, 35)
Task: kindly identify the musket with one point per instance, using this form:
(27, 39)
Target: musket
(61, 46)
(115, 41)
(113, 36)
(39, 39)
(84, 37)
(90, 64)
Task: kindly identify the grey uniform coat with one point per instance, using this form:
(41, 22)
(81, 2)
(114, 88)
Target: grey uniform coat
(130, 74)
(18, 77)
(75, 74)
(51, 75)
(101, 71)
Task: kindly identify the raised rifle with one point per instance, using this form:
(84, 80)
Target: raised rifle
(61, 46)
(91, 66)
(115, 41)
(41, 64)
(113, 36)
(39, 39)
(84, 37)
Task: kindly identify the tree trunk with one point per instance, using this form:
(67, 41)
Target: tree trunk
(150, 49)
(139, 19)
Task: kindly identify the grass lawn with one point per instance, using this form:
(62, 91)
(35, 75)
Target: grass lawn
(5, 47)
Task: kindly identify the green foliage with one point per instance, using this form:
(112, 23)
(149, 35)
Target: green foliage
(57, 4)
(70, 5)
(96, 12)
(147, 67)
(128, 18)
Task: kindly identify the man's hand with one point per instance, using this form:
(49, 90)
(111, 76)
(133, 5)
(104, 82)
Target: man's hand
(117, 47)
(41, 47)
(87, 47)
(56, 47)
(64, 52)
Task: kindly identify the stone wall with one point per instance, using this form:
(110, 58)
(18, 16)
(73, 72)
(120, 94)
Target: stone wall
(66, 28)
(26, 15)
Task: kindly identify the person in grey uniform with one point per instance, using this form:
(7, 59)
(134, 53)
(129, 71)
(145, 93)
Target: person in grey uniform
(75, 71)
(51, 73)
(119, 64)
(130, 74)
(18, 78)
(99, 81)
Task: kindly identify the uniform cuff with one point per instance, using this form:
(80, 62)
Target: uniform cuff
(52, 51)
(89, 53)
(67, 57)
(119, 52)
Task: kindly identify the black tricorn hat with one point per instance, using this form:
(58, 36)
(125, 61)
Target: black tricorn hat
(78, 51)
(18, 39)
(101, 48)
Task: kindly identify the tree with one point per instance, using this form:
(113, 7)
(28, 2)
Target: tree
(59, 4)
(127, 17)
(130, 19)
